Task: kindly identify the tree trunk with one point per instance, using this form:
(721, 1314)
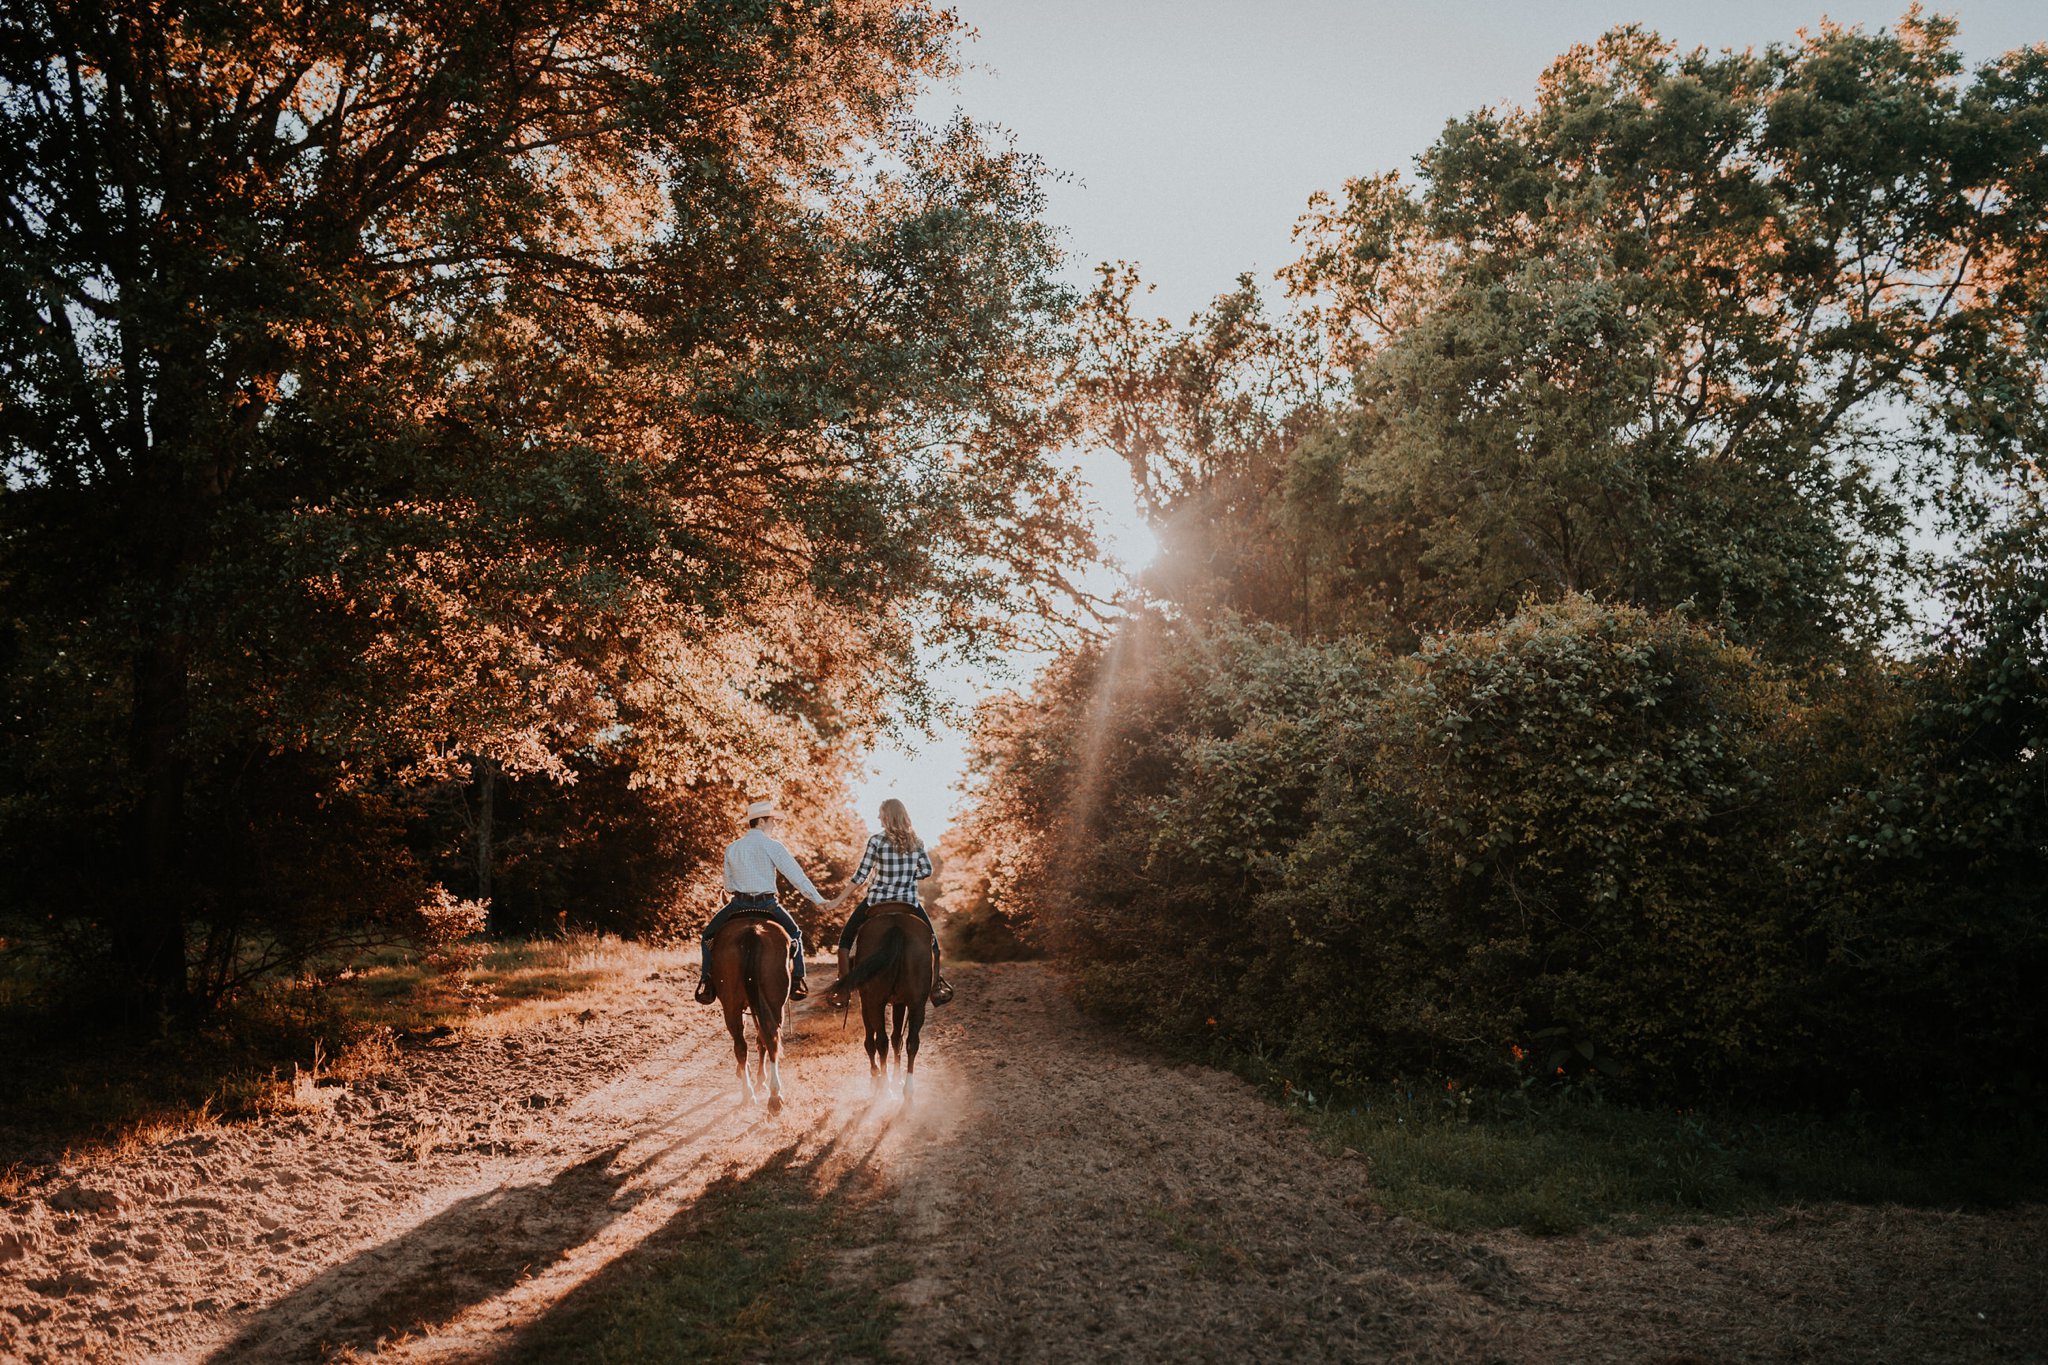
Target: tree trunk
(149, 933)
(487, 790)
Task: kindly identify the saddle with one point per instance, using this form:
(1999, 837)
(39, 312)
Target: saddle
(875, 912)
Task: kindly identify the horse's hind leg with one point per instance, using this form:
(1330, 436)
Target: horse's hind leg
(771, 1064)
(910, 1052)
(737, 1025)
(896, 1036)
(873, 1024)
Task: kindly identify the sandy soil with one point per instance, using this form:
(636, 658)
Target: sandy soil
(1061, 1197)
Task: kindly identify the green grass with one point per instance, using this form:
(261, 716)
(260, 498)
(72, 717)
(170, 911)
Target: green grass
(1566, 1163)
(752, 1269)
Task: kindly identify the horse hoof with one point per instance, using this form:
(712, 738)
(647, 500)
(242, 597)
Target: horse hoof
(775, 1104)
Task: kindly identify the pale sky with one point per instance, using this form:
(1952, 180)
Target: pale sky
(1191, 133)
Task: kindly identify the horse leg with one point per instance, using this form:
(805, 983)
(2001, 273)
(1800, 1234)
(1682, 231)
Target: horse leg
(910, 1055)
(771, 1065)
(871, 1018)
(736, 1024)
(896, 1037)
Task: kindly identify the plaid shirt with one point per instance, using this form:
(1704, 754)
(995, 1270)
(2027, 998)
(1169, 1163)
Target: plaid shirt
(896, 872)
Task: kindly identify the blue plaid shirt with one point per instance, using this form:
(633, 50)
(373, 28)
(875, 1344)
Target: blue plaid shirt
(896, 872)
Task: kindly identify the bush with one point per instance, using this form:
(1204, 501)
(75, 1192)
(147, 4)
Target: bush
(1591, 843)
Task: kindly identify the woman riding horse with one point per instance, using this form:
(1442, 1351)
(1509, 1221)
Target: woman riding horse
(896, 862)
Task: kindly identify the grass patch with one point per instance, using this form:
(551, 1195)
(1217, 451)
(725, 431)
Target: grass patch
(1561, 1164)
(756, 1267)
(75, 1079)
(511, 984)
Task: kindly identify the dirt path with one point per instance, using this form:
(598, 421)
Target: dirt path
(1056, 1197)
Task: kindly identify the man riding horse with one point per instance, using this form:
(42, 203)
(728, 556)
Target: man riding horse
(751, 863)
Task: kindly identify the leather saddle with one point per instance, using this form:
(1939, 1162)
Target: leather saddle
(875, 912)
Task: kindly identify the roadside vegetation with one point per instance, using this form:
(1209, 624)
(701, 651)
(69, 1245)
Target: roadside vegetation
(1599, 645)
(1568, 1162)
(582, 421)
(69, 1083)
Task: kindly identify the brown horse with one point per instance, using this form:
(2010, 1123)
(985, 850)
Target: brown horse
(750, 970)
(892, 968)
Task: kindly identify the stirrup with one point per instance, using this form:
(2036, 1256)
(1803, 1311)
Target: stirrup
(707, 994)
(798, 990)
(942, 991)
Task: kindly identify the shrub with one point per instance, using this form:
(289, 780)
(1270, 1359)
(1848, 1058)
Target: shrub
(1591, 843)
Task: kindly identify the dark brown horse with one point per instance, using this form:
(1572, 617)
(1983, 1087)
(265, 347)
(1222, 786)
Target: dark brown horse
(750, 970)
(893, 969)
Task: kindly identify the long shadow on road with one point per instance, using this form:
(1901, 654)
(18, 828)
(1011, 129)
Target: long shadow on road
(585, 1244)
(754, 1265)
(471, 1251)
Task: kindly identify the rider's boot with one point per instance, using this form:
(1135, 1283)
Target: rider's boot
(797, 989)
(707, 994)
(838, 999)
(942, 989)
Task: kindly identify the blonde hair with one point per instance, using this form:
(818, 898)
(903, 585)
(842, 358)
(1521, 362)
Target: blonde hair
(896, 824)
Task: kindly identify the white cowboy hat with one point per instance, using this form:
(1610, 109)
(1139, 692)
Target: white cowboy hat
(759, 809)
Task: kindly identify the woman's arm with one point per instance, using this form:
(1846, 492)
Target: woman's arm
(852, 889)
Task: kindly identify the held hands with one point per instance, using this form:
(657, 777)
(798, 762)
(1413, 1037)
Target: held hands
(848, 894)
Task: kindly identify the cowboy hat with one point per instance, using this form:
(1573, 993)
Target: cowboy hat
(761, 809)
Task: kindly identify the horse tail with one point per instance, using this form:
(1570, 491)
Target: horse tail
(750, 972)
(875, 963)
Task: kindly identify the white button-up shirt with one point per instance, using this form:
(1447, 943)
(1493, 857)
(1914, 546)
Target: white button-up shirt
(753, 859)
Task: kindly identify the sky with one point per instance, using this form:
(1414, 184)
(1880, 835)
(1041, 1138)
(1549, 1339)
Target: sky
(1188, 136)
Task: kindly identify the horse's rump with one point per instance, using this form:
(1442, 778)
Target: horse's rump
(895, 951)
(747, 949)
(750, 972)
(875, 954)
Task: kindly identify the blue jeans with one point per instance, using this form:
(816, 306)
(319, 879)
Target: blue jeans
(769, 906)
(860, 916)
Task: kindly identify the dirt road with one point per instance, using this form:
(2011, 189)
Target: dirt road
(1051, 1195)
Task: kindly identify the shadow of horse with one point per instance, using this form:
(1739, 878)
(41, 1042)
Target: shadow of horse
(731, 1275)
(469, 1252)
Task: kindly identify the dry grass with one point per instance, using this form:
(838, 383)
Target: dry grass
(511, 986)
(77, 1089)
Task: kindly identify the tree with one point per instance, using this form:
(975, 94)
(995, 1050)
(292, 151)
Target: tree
(393, 389)
(1206, 418)
(1693, 328)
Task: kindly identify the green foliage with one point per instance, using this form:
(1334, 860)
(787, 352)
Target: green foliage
(1531, 688)
(1590, 843)
(1927, 869)
(1719, 331)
